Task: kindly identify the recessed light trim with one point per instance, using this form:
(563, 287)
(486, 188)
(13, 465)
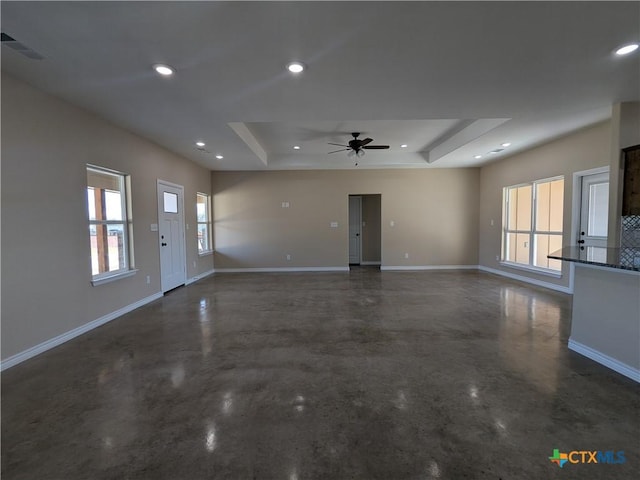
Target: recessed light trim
(477, 157)
(162, 69)
(200, 144)
(627, 49)
(296, 147)
(404, 145)
(219, 157)
(296, 67)
(506, 144)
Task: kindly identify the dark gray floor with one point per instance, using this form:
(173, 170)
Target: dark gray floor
(366, 375)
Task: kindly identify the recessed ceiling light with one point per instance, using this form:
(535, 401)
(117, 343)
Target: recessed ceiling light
(478, 156)
(632, 47)
(165, 70)
(219, 157)
(296, 147)
(295, 67)
(404, 145)
(200, 144)
(495, 151)
(506, 144)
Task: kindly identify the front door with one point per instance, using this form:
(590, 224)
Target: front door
(171, 235)
(594, 210)
(355, 227)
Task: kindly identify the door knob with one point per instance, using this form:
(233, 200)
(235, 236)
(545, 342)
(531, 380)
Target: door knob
(580, 241)
(164, 244)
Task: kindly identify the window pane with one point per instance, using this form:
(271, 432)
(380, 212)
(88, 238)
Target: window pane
(202, 210)
(170, 202)
(105, 192)
(203, 237)
(546, 244)
(108, 248)
(513, 207)
(556, 203)
(522, 248)
(517, 249)
(543, 198)
(598, 209)
(523, 210)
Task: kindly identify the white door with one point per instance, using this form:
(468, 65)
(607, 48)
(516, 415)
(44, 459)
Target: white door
(171, 235)
(594, 210)
(355, 227)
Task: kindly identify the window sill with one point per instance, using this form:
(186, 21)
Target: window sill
(537, 270)
(113, 278)
(205, 254)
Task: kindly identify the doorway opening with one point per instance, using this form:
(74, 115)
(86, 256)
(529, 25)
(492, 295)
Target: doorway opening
(365, 230)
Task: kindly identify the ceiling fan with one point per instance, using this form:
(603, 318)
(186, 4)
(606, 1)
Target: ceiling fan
(357, 147)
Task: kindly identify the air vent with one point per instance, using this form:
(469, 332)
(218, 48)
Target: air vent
(11, 42)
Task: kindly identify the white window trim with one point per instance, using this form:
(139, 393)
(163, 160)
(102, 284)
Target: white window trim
(112, 278)
(532, 232)
(130, 270)
(209, 224)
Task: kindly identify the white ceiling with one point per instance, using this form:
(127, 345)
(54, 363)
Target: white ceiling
(450, 79)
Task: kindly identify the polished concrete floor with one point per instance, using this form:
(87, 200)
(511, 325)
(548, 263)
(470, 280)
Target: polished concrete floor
(361, 375)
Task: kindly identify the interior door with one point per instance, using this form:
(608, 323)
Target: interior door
(355, 229)
(171, 235)
(594, 210)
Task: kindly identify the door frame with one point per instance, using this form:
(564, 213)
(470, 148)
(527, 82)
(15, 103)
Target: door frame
(349, 230)
(576, 207)
(183, 226)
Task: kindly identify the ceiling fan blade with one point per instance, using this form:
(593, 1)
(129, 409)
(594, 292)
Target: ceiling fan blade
(366, 141)
(377, 147)
(338, 144)
(342, 150)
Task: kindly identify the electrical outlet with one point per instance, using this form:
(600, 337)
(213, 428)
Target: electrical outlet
(492, 222)
(194, 264)
(497, 258)
(392, 223)
(406, 255)
(288, 257)
(148, 279)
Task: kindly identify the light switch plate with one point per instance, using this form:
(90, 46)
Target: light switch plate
(154, 227)
(334, 224)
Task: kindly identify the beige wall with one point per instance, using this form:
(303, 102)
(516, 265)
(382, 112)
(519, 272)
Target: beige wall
(435, 215)
(581, 150)
(46, 271)
(371, 228)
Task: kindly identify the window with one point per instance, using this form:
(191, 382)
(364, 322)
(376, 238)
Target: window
(533, 215)
(110, 229)
(203, 212)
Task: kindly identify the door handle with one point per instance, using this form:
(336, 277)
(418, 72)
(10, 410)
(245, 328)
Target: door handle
(580, 241)
(357, 234)
(163, 244)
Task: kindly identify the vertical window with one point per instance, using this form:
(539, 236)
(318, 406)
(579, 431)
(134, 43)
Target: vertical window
(532, 224)
(109, 222)
(203, 212)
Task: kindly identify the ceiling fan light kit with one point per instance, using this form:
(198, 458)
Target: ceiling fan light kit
(357, 147)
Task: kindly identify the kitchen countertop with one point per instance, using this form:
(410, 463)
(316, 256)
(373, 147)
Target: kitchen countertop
(621, 258)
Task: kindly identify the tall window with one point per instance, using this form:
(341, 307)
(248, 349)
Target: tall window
(532, 223)
(203, 212)
(109, 222)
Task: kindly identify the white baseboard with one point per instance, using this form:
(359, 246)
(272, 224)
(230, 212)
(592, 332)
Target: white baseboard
(606, 360)
(406, 268)
(199, 277)
(60, 339)
(522, 278)
(281, 269)
(370, 263)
